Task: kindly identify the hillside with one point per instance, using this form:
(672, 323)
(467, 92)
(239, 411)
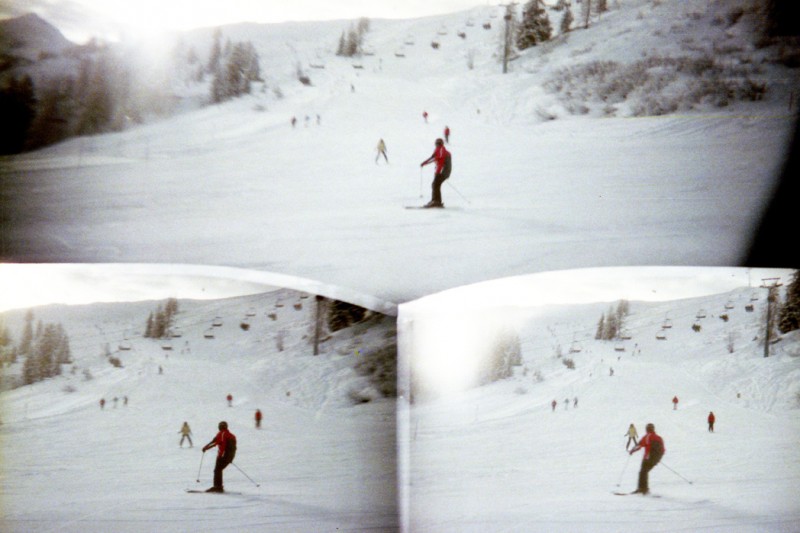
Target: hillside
(491, 458)
(324, 453)
(500, 457)
(534, 186)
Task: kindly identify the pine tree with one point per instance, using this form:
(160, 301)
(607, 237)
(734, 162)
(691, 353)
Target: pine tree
(215, 57)
(535, 26)
(26, 341)
(567, 20)
(789, 314)
(18, 109)
(601, 327)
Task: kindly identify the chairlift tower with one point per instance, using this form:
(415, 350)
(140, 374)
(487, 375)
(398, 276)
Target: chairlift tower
(771, 284)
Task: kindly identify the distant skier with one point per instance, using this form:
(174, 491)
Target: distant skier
(654, 450)
(258, 418)
(711, 420)
(675, 403)
(443, 166)
(230, 400)
(186, 433)
(632, 435)
(447, 134)
(102, 403)
(225, 441)
(294, 121)
(381, 151)
(575, 402)
(566, 403)
(425, 116)
(554, 404)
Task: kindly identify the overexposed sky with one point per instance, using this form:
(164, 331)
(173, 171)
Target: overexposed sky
(113, 19)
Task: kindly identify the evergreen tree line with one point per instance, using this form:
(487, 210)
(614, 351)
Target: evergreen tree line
(340, 315)
(535, 28)
(351, 41)
(611, 323)
(103, 93)
(160, 322)
(18, 108)
(234, 68)
(789, 313)
(506, 353)
(45, 348)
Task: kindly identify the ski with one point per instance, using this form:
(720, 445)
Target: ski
(422, 207)
(195, 491)
(634, 493)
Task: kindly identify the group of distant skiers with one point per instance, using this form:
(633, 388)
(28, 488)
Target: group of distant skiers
(115, 400)
(554, 403)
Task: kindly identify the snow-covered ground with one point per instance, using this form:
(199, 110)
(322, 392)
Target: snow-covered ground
(495, 458)
(499, 458)
(236, 185)
(322, 462)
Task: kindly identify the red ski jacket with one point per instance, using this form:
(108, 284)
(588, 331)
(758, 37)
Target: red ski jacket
(439, 155)
(646, 442)
(221, 441)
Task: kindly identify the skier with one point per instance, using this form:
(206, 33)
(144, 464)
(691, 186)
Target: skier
(654, 449)
(225, 441)
(230, 399)
(632, 436)
(102, 402)
(381, 151)
(443, 166)
(425, 116)
(186, 433)
(258, 418)
(675, 403)
(711, 420)
(554, 404)
(447, 134)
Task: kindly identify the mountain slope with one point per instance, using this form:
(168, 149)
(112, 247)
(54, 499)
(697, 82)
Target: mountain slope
(533, 194)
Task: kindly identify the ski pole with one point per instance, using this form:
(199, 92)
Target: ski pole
(420, 182)
(628, 460)
(201, 466)
(459, 192)
(245, 475)
(677, 474)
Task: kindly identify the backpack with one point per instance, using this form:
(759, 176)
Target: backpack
(448, 165)
(230, 448)
(656, 449)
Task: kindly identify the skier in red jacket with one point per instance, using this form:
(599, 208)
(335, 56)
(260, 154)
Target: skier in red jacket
(711, 420)
(654, 449)
(225, 441)
(442, 158)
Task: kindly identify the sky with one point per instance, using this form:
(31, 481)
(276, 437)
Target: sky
(30, 285)
(114, 19)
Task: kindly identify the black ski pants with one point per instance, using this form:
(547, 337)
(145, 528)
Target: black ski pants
(436, 187)
(222, 462)
(647, 466)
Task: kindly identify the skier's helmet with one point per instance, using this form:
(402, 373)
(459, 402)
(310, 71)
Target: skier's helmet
(651, 428)
(439, 142)
(223, 425)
